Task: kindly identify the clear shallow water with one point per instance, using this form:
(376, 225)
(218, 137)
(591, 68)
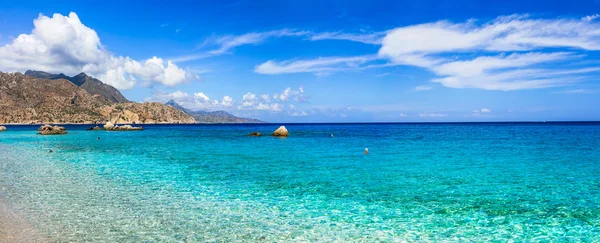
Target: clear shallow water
(212, 183)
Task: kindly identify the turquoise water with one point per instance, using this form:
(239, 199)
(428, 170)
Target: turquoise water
(533, 182)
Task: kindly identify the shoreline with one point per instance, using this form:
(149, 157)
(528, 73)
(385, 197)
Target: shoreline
(15, 228)
(99, 124)
(321, 123)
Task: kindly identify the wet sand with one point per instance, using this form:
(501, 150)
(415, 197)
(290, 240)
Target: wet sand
(14, 228)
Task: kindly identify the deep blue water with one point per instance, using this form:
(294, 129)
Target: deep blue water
(420, 182)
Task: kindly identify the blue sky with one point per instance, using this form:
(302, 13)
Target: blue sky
(325, 61)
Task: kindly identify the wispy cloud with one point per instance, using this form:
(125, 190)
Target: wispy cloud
(435, 114)
(319, 65)
(367, 38)
(505, 72)
(576, 91)
(423, 88)
(227, 43)
(508, 53)
(519, 35)
(482, 110)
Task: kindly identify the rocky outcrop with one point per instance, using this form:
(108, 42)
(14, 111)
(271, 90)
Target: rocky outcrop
(281, 132)
(111, 127)
(51, 130)
(2, 128)
(255, 134)
(92, 128)
(29, 100)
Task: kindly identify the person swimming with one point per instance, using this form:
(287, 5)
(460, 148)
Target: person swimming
(98, 138)
(366, 150)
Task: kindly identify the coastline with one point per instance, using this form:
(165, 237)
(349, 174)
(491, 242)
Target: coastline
(14, 228)
(98, 124)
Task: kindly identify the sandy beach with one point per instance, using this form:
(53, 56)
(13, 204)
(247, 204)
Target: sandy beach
(14, 228)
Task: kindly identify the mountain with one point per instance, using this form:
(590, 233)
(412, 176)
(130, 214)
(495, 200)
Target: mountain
(212, 116)
(89, 84)
(27, 99)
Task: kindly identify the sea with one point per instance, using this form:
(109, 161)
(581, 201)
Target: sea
(420, 182)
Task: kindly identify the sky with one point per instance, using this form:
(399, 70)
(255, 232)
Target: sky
(325, 61)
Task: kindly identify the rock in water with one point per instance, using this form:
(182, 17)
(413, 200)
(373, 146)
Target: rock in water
(96, 128)
(255, 134)
(111, 127)
(281, 132)
(108, 126)
(51, 130)
(2, 128)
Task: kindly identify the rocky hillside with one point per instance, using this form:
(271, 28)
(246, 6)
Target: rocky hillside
(26, 99)
(147, 112)
(89, 84)
(212, 116)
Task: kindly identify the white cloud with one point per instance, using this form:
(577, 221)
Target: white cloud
(437, 114)
(64, 44)
(274, 107)
(227, 101)
(298, 113)
(296, 95)
(423, 88)
(482, 112)
(319, 65)
(195, 101)
(419, 45)
(368, 38)
(508, 53)
(265, 98)
(590, 17)
(201, 96)
(249, 99)
(228, 42)
(506, 33)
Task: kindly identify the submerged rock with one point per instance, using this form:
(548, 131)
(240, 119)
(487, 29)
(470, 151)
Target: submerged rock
(2, 128)
(255, 134)
(281, 132)
(51, 130)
